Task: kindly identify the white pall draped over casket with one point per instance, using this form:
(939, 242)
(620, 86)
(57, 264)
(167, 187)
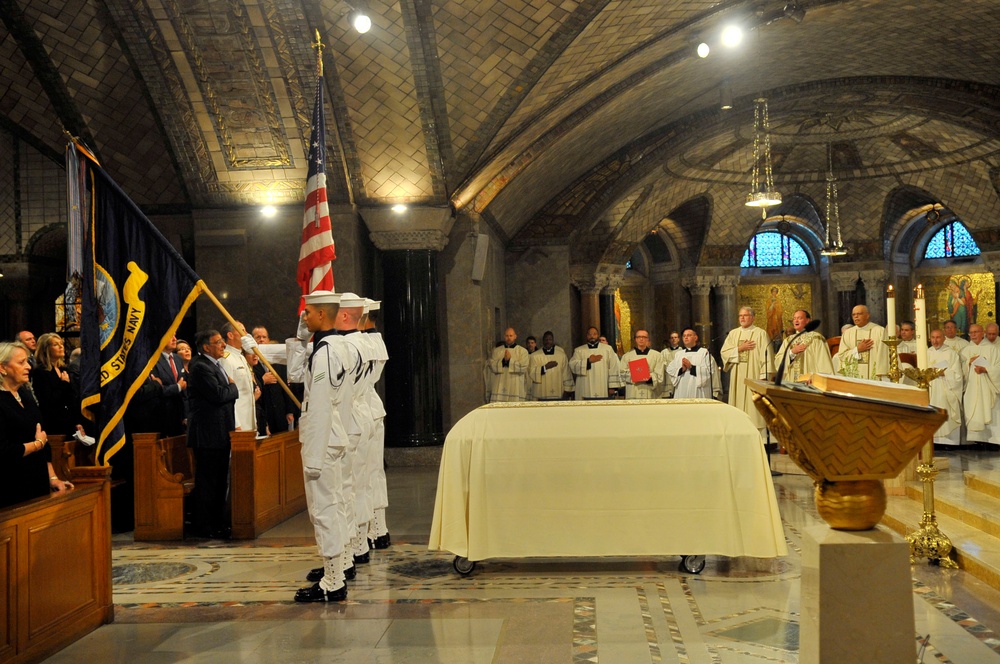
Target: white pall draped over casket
(571, 478)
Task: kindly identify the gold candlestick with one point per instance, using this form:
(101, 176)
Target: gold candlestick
(894, 373)
(928, 541)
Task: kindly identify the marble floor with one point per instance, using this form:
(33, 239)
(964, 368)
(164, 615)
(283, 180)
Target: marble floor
(232, 602)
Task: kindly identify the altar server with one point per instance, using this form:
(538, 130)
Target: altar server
(595, 366)
(946, 391)
(862, 353)
(809, 354)
(650, 388)
(692, 370)
(508, 365)
(548, 369)
(981, 365)
(744, 355)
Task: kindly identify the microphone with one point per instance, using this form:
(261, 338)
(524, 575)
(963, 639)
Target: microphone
(810, 326)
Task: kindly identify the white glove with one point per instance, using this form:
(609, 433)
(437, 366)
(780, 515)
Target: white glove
(303, 333)
(312, 473)
(248, 343)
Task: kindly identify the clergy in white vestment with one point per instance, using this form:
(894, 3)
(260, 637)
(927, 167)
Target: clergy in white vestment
(745, 355)
(808, 354)
(692, 371)
(671, 348)
(237, 368)
(595, 368)
(946, 391)
(992, 332)
(908, 344)
(548, 369)
(951, 337)
(647, 389)
(508, 364)
(862, 353)
(530, 345)
(981, 365)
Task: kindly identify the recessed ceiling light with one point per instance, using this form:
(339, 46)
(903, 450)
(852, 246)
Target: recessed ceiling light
(732, 35)
(361, 22)
(399, 208)
(703, 50)
(269, 211)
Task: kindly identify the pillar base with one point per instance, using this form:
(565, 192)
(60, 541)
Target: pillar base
(857, 598)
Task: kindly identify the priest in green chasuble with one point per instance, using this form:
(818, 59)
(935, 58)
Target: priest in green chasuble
(809, 354)
(744, 355)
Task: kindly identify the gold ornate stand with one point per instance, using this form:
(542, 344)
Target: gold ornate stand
(894, 373)
(928, 541)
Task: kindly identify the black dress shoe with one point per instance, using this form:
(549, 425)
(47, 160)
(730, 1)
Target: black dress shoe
(380, 542)
(351, 573)
(315, 574)
(363, 559)
(316, 594)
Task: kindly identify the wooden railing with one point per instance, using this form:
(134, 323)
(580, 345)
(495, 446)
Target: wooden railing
(55, 568)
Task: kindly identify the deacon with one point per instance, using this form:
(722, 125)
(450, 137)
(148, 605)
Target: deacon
(744, 355)
(951, 337)
(650, 388)
(809, 354)
(946, 391)
(323, 437)
(237, 368)
(692, 370)
(992, 331)
(508, 365)
(981, 366)
(549, 371)
(595, 366)
(862, 353)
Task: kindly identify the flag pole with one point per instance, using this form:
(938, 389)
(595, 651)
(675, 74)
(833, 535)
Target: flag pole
(237, 327)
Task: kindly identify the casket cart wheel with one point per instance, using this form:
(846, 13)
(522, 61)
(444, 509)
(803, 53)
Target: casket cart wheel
(692, 564)
(464, 566)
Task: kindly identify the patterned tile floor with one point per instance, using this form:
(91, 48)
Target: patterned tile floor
(231, 602)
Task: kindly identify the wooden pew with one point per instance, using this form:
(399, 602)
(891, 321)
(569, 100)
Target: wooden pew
(160, 486)
(55, 568)
(63, 455)
(267, 485)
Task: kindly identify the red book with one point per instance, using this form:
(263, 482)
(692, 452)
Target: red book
(640, 370)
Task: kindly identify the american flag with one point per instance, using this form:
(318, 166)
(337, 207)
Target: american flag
(315, 271)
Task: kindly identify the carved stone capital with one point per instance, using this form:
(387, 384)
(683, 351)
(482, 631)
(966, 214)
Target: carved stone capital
(414, 228)
(725, 285)
(875, 280)
(844, 281)
(700, 286)
(597, 278)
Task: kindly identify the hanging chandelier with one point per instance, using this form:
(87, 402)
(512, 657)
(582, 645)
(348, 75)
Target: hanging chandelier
(762, 193)
(836, 248)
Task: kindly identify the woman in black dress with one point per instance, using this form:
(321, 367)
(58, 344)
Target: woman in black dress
(51, 382)
(26, 470)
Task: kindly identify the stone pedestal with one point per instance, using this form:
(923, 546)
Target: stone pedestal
(857, 599)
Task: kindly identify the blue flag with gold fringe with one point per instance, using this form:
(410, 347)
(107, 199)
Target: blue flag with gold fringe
(136, 290)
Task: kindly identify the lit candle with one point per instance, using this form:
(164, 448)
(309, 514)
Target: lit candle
(890, 311)
(920, 315)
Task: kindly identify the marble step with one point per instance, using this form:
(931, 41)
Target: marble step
(984, 481)
(975, 551)
(959, 501)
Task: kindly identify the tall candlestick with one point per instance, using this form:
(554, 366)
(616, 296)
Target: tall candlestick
(890, 311)
(920, 315)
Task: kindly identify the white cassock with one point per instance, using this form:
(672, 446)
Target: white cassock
(946, 393)
(594, 379)
(549, 383)
(666, 355)
(695, 383)
(870, 363)
(746, 364)
(650, 390)
(957, 343)
(814, 359)
(908, 347)
(237, 368)
(508, 379)
(982, 409)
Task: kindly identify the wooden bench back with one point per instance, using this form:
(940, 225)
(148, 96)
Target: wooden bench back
(177, 456)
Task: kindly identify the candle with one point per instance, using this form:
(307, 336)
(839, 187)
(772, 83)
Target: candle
(920, 315)
(890, 311)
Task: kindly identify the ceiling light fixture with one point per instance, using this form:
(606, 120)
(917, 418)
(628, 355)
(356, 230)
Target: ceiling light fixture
(399, 208)
(762, 193)
(361, 21)
(703, 50)
(795, 11)
(726, 94)
(732, 35)
(269, 211)
(836, 248)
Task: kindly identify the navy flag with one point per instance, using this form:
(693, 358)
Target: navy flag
(136, 290)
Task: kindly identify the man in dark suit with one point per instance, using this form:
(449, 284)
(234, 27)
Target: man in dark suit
(170, 370)
(211, 396)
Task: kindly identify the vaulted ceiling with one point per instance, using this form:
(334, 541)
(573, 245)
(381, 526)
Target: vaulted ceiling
(550, 117)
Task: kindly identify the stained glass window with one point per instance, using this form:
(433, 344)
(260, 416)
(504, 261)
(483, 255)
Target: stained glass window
(771, 249)
(952, 240)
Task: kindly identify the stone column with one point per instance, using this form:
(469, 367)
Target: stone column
(410, 244)
(725, 291)
(700, 288)
(875, 283)
(845, 285)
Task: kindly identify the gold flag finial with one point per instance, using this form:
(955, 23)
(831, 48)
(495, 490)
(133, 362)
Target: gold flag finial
(318, 45)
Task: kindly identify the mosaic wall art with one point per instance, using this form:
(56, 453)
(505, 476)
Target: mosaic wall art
(774, 304)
